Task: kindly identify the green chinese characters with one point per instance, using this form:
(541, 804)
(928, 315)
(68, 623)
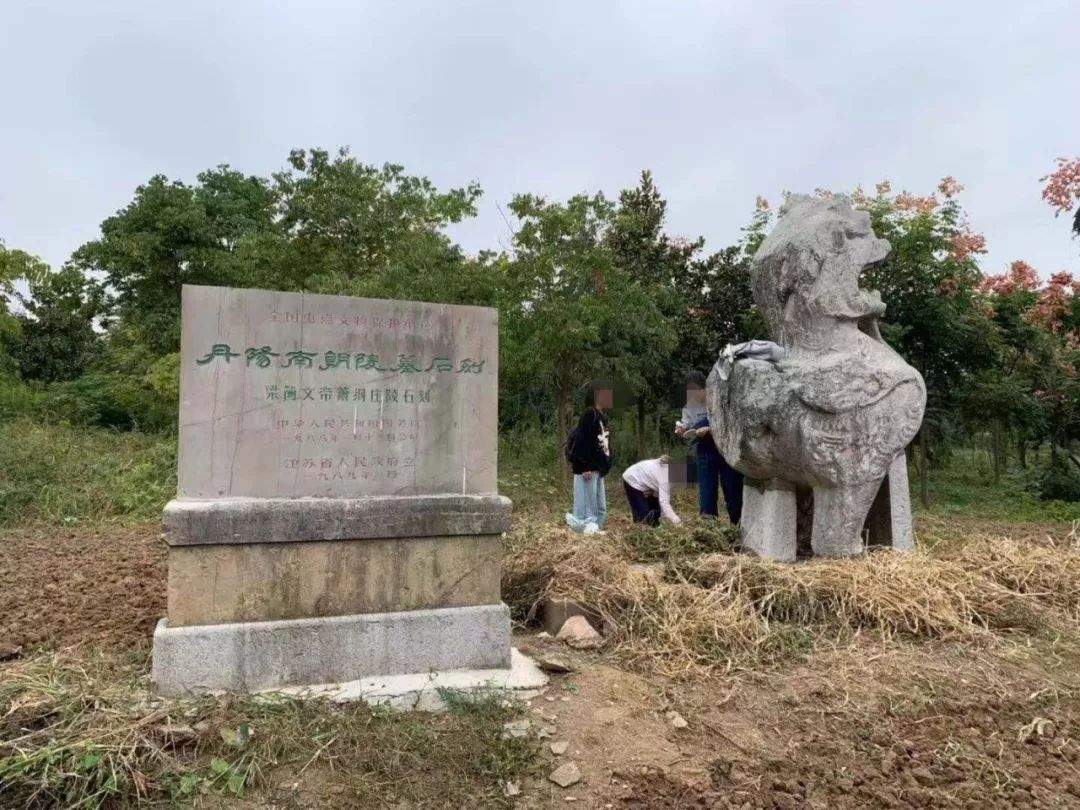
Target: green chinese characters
(263, 357)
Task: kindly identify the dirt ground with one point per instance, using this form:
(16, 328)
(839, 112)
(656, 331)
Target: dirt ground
(860, 727)
(863, 725)
(103, 586)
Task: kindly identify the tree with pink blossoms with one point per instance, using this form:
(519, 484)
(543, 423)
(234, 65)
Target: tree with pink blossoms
(1036, 380)
(1062, 189)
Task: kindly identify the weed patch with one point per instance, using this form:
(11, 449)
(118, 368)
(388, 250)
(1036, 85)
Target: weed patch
(66, 475)
(83, 731)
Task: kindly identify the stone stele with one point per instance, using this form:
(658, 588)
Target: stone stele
(821, 433)
(337, 519)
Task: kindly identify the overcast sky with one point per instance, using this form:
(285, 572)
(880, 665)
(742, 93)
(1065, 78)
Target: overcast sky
(723, 101)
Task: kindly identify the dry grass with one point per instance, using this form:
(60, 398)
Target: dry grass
(1047, 573)
(905, 596)
(83, 730)
(721, 610)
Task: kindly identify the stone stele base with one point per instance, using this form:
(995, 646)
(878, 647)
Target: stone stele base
(266, 594)
(428, 691)
(257, 656)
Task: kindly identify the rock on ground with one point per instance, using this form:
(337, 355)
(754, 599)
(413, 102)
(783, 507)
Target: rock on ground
(566, 775)
(578, 633)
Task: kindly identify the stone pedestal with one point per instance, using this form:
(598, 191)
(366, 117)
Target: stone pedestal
(777, 516)
(889, 521)
(270, 593)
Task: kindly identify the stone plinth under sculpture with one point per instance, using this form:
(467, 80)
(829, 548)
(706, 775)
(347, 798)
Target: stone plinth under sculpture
(337, 518)
(820, 431)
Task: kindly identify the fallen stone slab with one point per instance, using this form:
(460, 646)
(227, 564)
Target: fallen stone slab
(553, 663)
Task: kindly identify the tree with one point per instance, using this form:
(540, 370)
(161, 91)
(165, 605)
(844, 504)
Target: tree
(15, 266)
(173, 234)
(326, 224)
(57, 340)
(573, 314)
(640, 248)
(705, 298)
(356, 229)
(1062, 189)
(1040, 328)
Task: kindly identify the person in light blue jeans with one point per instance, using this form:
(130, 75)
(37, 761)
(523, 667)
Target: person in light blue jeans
(589, 452)
(590, 503)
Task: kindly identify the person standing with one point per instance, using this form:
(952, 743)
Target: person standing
(648, 491)
(713, 471)
(589, 452)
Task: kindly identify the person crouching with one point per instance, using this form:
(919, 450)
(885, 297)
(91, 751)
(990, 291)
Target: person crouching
(648, 491)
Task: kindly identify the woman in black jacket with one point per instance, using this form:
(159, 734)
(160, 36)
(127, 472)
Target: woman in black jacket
(590, 459)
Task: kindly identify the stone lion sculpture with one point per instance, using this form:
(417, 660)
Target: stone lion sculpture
(821, 427)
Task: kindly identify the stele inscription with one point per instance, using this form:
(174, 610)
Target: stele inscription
(291, 395)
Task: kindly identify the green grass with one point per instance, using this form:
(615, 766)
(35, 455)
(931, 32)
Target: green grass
(81, 730)
(63, 475)
(965, 487)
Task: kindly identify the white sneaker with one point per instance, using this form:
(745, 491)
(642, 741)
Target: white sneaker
(590, 528)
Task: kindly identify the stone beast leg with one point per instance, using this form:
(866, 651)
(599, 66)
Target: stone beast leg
(839, 515)
(768, 519)
(889, 520)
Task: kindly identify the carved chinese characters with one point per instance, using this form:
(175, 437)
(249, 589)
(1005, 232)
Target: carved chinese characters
(293, 395)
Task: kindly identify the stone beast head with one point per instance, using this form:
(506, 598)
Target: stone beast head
(805, 275)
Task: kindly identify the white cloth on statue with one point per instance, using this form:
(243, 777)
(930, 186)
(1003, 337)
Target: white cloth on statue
(751, 350)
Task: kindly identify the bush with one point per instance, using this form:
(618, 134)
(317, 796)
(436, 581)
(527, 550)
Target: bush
(17, 398)
(109, 401)
(1059, 481)
(63, 474)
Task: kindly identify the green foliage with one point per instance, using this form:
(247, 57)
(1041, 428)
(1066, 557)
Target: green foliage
(706, 300)
(104, 400)
(965, 486)
(694, 536)
(573, 314)
(347, 223)
(15, 265)
(163, 377)
(933, 317)
(56, 339)
(64, 474)
(1059, 480)
(173, 234)
(17, 398)
(327, 224)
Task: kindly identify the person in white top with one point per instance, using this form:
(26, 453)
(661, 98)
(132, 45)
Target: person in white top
(648, 491)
